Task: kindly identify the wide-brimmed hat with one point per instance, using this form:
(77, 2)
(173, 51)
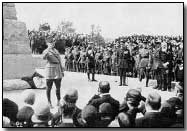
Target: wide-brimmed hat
(41, 113)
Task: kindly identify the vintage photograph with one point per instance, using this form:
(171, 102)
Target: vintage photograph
(93, 65)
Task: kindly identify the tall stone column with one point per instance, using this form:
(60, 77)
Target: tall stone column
(15, 35)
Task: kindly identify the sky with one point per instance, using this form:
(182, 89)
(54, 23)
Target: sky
(115, 19)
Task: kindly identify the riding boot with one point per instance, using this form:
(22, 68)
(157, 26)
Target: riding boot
(88, 74)
(124, 81)
(120, 81)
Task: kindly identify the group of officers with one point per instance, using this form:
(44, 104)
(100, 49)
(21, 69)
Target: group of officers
(165, 63)
(147, 62)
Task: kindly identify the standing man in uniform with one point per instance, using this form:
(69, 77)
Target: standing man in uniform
(144, 63)
(162, 63)
(123, 56)
(53, 70)
(90, 54)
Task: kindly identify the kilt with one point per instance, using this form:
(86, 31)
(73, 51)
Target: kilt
(53, 71)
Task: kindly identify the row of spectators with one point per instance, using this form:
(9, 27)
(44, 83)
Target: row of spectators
(102, 110)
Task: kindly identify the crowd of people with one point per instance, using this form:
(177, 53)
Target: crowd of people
(155, 57)
(102, 110)
(150, 57)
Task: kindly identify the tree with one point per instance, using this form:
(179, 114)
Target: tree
(96, 36)
(66, 28)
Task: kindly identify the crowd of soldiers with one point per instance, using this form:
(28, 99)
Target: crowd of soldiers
(38, 40)
(150, 57)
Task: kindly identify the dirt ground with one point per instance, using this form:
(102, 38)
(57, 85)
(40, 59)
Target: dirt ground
(87, 89)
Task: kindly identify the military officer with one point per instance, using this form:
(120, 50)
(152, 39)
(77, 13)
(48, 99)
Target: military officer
(162, 64)
(90, 55)
(53, 70)
(144, 63)
(123, 57)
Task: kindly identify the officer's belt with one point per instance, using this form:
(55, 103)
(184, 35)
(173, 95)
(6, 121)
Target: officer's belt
(54, 63)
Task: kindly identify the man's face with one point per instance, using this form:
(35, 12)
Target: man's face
(51, 45)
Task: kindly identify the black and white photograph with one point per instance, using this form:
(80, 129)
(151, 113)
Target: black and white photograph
(93, 65)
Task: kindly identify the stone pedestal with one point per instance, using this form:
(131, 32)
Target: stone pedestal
(15, 36)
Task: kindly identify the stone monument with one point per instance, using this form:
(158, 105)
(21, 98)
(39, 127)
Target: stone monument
(15, 36)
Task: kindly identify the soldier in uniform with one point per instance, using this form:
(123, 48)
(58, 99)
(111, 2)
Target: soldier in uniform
(90, 54)
(123, 56)
(53, 70)
(144, 63)
(82, 60)
(162, 63)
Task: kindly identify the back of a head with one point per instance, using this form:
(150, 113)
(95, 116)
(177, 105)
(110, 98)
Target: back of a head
(124, 120)
(10, 109)
(104, 87)
(134, 96)
(71, 95)
(106, 114)
(29, 97)
(89, 114)
(25, 114)
(105, 108)
(154, 101)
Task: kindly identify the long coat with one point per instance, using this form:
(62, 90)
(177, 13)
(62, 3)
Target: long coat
(123, 58)
(53, 68)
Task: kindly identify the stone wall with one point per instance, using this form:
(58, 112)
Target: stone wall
(15, 37)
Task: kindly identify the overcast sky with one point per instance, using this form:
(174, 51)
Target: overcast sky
(115, 19)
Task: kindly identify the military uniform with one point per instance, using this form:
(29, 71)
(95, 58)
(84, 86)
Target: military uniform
(53, 71)
(90, 63)
(144, 64)
(123, 56)
(82, 61)
(162, 64)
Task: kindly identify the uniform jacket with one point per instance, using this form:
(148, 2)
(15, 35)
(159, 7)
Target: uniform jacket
(145, 58)
(53, 68)
(123, 58)
(160, 58)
